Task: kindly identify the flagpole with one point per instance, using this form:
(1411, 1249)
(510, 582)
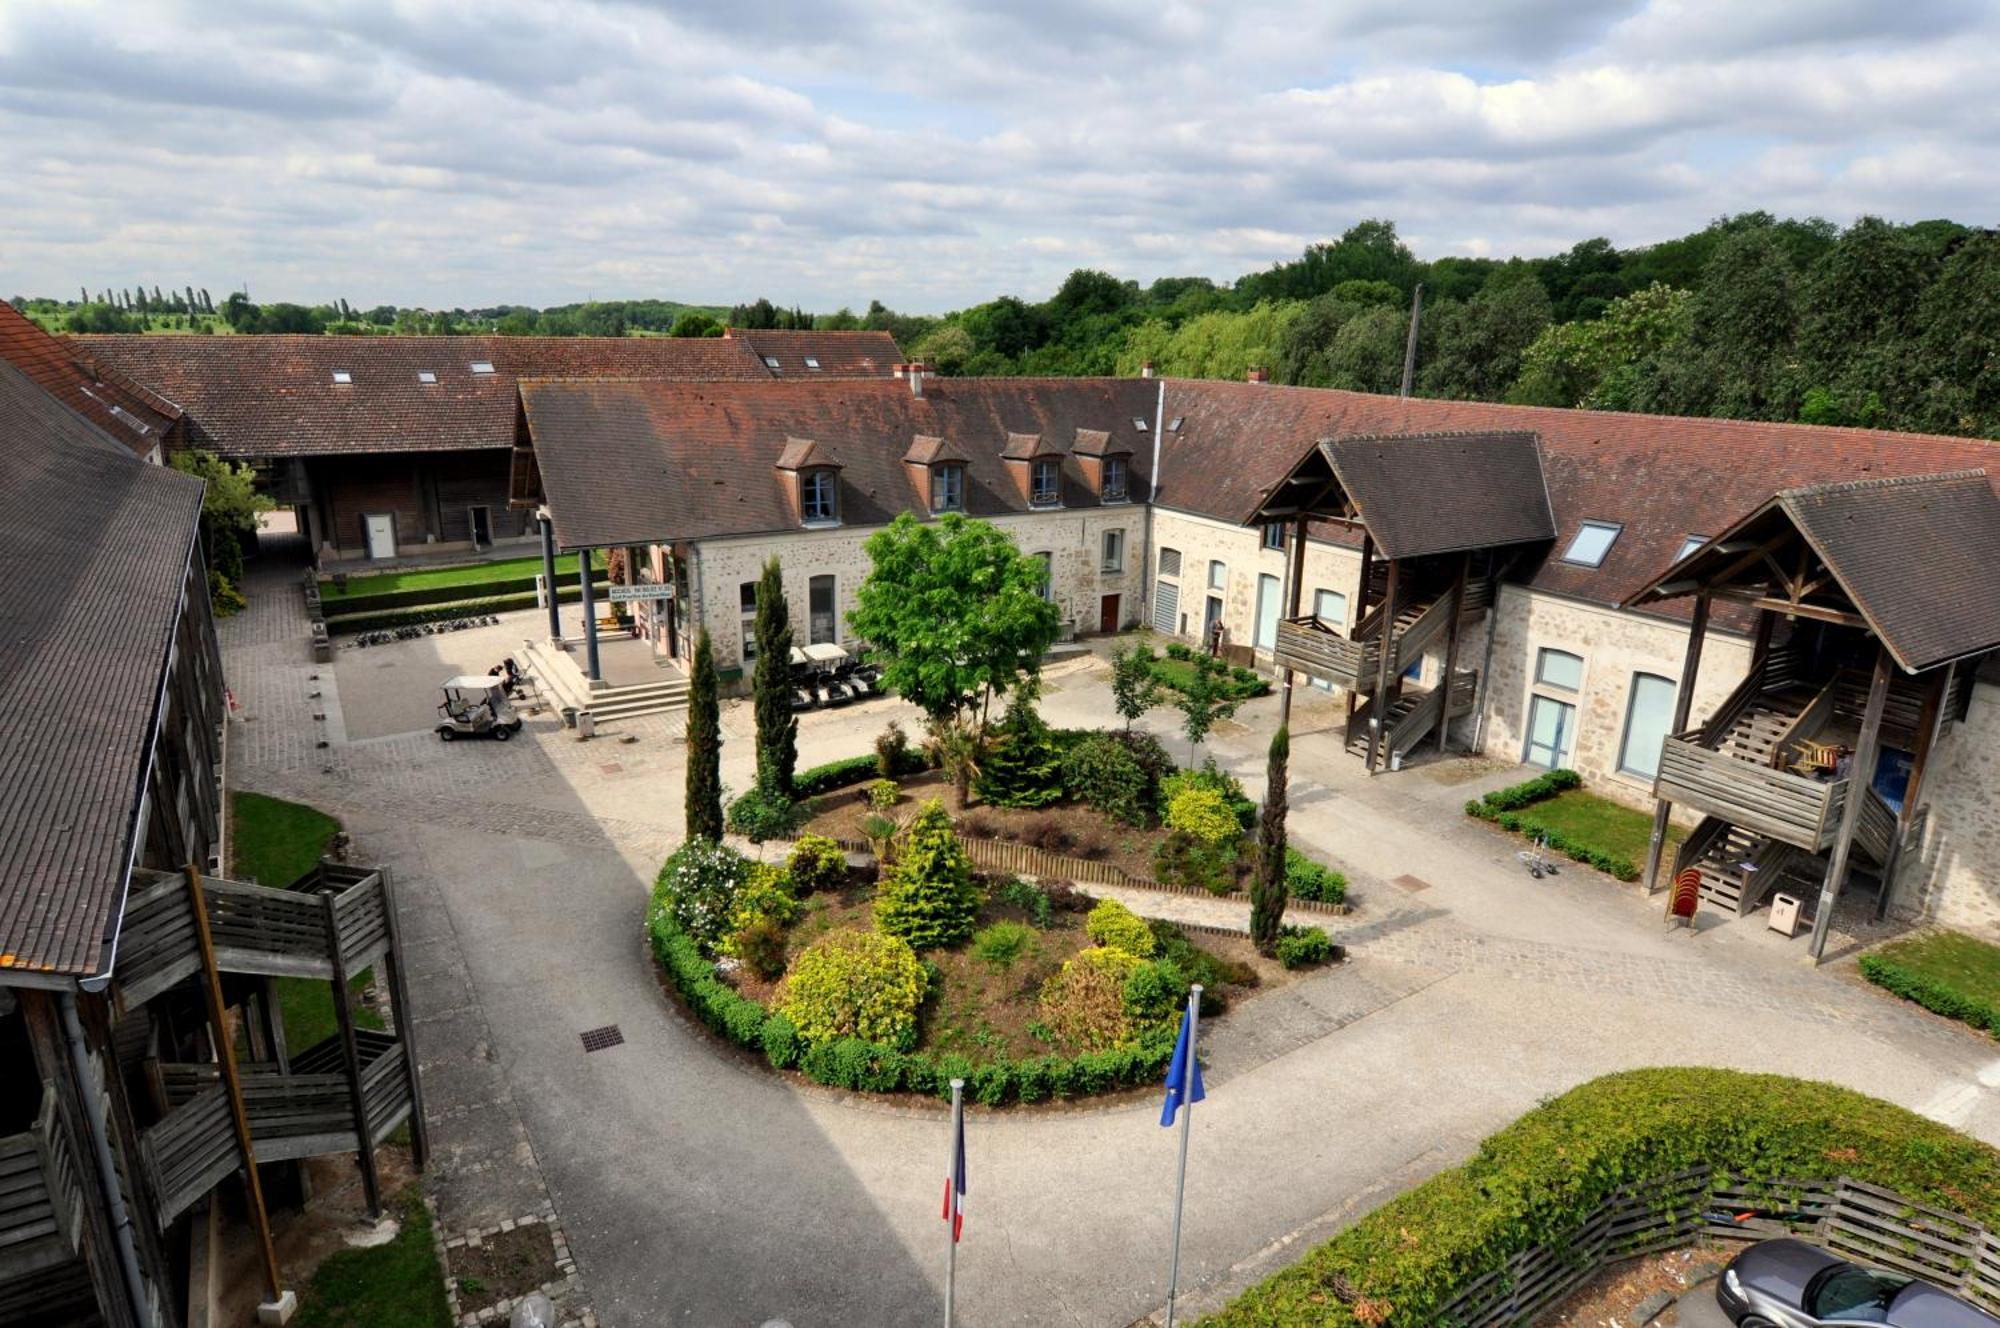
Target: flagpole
(1187, 1121)
(951, 1226)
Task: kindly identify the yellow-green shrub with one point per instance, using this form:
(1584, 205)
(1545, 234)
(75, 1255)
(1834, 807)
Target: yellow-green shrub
(1083, 1005)
(765, 898)
(930, 899)
(1113, 924)
(816, 863)
(1203, 813)
(853, 983)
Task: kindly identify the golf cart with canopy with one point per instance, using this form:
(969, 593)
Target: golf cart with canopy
(475, 705)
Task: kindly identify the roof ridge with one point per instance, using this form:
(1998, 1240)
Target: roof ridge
(1434, 433)
(1883, 482)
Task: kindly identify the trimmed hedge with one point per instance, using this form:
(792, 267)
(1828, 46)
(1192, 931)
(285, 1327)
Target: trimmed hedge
(1535, 1180)
(1501, 808)
(852, 770)
(498, 586)
(1934, 994)
(870, 1067)
(379, 619)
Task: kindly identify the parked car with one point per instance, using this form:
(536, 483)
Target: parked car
(1790, 1284)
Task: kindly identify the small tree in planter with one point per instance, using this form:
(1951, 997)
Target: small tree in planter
(930, 899)
(704, 746)
(1268, 888)
(1022, 768)
(1204, 701)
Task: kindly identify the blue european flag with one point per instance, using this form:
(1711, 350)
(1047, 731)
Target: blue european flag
(1183, 1073)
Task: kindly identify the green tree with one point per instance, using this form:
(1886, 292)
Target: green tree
(930, 899)
(695, 323)
(947, 348)
(1203, 700)
(1478, 345)
(1135, 687)
(1593, 363)
(230, 505)
(704, 746)
(777, 727)
(1959, 322)
(1268, 887)
(1366, 354)
(1023, 768)
(1735, 355)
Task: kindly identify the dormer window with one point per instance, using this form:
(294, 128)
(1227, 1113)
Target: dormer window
(1113, 490)
(947, 488)
(819, 497)
(1045, 482)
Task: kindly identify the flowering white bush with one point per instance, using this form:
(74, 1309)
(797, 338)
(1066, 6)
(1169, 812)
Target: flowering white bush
(700, 884)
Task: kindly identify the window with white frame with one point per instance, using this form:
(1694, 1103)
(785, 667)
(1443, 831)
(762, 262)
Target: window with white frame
(1048, 562)
(1114, 551)
(747, 596)
(1330, 607)
(1170, 562)
(1218, 576)
(1592, 543)
(1044, 482)
(1559, 669)
(1114, 480)
(1274, 535)
(1648, 716)
(819, 496)
(947, 488)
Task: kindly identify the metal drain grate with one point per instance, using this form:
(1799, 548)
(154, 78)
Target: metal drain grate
(597, 1039)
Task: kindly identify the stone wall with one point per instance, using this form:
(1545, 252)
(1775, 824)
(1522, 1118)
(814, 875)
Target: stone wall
(1954, 875)
(1239, 549)
(1072, 540)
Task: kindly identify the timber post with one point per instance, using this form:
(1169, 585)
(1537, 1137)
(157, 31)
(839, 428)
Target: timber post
(1683, 706)
(1930, 722)
(590, 664)
(399, 992)
(1451, 652)
(232, 1084)
(1860, 773)
(1385, 642)
(1358, 612)
(1296, 575)
(350, 1050)
(549, 577)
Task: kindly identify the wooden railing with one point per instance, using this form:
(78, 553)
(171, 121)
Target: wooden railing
(1318, 651)
(1875, 826)
(1408, 731)
(41, 1196)
(1848, 1217)
(1776, 803)
(189, 1151)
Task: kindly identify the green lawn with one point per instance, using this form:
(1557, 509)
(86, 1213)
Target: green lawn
(1239, 683)
(1945, 971)
(1604, 824)
(397, 1285)
(277, 842)
(432, 578)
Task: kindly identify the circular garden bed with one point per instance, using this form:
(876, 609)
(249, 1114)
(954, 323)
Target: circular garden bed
(903, 979)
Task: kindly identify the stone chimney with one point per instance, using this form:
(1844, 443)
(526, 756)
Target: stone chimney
(1146, 369)
(1257, 374)
(916, 371)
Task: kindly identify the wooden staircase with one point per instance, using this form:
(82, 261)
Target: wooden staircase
(1413, 714)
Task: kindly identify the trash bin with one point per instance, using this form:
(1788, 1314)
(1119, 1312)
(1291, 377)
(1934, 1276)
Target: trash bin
(569, 717)
(586, 725)
(1785, 914)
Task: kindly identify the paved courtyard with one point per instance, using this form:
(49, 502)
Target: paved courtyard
(695, 1187)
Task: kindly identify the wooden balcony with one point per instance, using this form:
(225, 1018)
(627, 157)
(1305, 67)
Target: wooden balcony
(1318, 651)
(1778, 804)
(41, 1201)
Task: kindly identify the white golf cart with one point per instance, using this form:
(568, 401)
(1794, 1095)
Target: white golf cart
(475, 706)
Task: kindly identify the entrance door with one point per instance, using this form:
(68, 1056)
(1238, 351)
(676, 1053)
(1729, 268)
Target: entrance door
(822, 624)
(1267, 613)
(482, 526)
(381, 528)
(1107, 614)
(1551, 732)
(1210, 616)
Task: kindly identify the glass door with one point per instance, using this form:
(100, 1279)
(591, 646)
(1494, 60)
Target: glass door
(1267, 613)
(1551, 732)
(823, 624)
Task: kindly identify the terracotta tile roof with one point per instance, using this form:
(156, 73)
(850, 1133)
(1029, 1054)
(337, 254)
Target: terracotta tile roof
(133, 415)
(928, 451)
(1028, 446)
(1662, 478)
(91, 569)
(822, 354)
(1101, 443)
(1442, 492)
(277, 396)
(632, 462)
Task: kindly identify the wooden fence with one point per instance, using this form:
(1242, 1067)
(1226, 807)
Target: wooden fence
(1005, 855)
(1853, 1219)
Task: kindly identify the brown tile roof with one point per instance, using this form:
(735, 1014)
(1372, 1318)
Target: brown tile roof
(1442, 492)
(276, 396)
(91, 569)
(1028, 446)
(632, 462)
(1101, 443)
(131, 414)
(928, 451)
(1662, 477)
(833, 354)
(800, 453)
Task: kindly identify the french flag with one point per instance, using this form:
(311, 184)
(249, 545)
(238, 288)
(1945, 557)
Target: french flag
(954, 1182)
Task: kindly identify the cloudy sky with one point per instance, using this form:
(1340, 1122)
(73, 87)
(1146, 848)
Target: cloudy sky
(931, 153)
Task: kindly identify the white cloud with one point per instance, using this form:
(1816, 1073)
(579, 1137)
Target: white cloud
(825, 152)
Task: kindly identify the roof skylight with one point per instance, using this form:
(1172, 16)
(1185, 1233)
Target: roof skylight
(342, 376)
(482, 366)
(1175, 427)
(811, 363)
(1593, 541)
(1138, 424)
(426, 376)
(1689, 545)
(770, 361)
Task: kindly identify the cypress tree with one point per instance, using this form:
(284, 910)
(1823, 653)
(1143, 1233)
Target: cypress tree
(777, 727)
(1267, 890)
(704, 747)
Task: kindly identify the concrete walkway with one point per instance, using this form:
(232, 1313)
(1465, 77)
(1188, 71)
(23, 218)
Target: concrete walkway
(696, 1187)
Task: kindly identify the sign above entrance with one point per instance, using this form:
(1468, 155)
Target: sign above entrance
(644, 590)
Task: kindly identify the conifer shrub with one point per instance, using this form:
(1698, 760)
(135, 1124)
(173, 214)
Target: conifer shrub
(930, 899)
